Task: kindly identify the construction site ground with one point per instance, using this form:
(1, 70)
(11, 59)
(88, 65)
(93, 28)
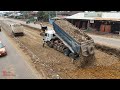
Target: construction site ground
(54, 64)
(104, 34)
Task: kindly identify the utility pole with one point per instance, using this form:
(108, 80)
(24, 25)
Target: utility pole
(49, 16)
(56, 13)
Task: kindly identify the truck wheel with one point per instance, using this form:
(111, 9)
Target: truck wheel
(50, 44)
(71, 55)
(55, 46)
(91, 50)
(66, 52)
(58, 48)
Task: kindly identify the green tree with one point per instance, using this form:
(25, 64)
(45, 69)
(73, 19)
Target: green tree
(44, 15)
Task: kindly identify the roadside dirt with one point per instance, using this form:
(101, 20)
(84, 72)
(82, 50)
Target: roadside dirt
(53, 64)
(108, 35)
(23, 54)
(56, 65)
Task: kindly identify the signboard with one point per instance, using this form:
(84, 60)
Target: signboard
(35, 17)
(92, 14)
(91, 21)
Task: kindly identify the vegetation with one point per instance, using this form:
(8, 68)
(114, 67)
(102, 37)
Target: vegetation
(45, 15)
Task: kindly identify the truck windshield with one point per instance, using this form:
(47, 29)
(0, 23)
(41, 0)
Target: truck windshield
(1, 45)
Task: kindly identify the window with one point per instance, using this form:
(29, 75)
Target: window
(53, 35)
(45, 34)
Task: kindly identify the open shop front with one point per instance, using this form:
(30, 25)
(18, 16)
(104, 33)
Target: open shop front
(105, 26)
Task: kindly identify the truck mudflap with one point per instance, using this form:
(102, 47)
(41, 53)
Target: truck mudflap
(87, 48)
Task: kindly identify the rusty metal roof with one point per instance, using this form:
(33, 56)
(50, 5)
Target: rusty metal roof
(105, 16)
(111, 19)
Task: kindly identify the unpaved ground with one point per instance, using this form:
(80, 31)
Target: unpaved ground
(14, 61)
(54, 63)
(44, 23)
(109, 35)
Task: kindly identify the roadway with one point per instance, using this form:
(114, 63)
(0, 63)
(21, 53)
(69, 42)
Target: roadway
(111, 42)
(14, 66)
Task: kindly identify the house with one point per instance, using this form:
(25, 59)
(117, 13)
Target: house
(100, 21)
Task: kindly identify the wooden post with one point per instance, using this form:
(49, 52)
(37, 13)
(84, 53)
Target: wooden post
(88, 24)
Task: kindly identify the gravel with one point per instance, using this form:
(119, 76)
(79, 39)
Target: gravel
(73, 31)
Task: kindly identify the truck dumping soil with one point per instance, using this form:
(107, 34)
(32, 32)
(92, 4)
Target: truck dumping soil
(56, 65)
(73, 31)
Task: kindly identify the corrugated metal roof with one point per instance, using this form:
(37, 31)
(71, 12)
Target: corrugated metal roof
(79, 16)
(105, 16)
(112, 19)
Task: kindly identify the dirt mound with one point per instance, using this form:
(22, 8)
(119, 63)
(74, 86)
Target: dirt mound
(73, 31)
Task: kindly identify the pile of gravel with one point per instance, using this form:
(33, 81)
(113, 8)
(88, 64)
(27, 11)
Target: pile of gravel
(73, 31)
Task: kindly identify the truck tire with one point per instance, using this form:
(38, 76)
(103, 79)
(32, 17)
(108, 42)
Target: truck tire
(50, 44)
(58, 48)
(91, 49)
(55, 46)
(66, 52)
(71, 55)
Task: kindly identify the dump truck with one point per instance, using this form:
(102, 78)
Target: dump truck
(71, 41)
(13, 28)
(17, 29)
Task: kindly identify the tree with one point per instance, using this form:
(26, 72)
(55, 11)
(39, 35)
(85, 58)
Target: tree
(41, 15)
(44, 15)
(52, 14)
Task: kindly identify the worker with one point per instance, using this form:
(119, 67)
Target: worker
(43, 43)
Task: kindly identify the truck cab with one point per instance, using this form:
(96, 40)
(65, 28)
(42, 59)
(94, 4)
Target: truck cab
(49, 35)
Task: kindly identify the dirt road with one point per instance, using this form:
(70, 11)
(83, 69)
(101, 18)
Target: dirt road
(14, 63)
(56, 65)
(115, 43)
